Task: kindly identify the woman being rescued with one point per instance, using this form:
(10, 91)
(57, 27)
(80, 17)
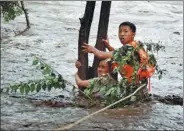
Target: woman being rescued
(104, 78)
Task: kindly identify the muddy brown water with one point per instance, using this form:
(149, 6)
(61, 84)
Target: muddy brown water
(53, 36)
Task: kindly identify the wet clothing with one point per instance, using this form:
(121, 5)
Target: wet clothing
(138, 57)
(127, 60)
(96, 83)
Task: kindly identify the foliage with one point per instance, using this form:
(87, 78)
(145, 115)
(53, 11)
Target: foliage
(154, 47)
(51, 79)
(110, 89)
(126, 55)
(10, 9)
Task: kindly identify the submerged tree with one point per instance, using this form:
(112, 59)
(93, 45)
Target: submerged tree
(26, 14)
(11, 9)
(102, 31)
(83, 37)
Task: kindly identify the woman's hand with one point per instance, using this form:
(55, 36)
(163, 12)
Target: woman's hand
(77, 64)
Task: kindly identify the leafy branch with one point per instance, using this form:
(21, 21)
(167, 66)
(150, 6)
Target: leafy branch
(51, 79)
(10, 9)
(154, 47)
(127, 55)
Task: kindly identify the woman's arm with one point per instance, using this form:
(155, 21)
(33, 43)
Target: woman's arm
(80, 82)
(100, 54)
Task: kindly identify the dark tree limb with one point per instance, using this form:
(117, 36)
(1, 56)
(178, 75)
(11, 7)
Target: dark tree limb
(0, 17)
(83, 37)
(102, 31)
(26, 14)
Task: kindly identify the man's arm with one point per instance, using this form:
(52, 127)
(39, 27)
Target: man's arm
(80, 82)
(100, 54)
(108, 46)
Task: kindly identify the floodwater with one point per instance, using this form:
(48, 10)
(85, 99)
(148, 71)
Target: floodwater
(54, 37)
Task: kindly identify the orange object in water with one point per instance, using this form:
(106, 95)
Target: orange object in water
(146, 73)
(127, 70)
(149, 71)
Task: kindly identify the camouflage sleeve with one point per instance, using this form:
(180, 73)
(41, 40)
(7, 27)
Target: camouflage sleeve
(115, 55)
(122, 51)
(98, 82)
(115, 51)
(92, 82)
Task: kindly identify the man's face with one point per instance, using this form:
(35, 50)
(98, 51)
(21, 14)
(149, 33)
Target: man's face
(102, 68)
(126, 35)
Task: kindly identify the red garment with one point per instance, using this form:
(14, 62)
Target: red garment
(127, 70)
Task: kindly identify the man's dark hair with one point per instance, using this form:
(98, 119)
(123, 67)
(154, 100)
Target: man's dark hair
(131, 25)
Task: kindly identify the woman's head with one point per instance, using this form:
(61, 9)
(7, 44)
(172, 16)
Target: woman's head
(103, 68)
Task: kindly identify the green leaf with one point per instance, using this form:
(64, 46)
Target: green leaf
(38, 88)
(55, 80)
(44, 86)
(35, 61)
(160, 77)
(118, 90)
(13, 88)
(32, 87)
(133, 98)
(48, 82)
(42, 65)
(109, 91)
(21, 89)
(27, 89)
(102, 90)
(87, 92)
(48, 77)
(53, 75)
(46, 70)
(49, 88)
(113, 92)
(41, 83)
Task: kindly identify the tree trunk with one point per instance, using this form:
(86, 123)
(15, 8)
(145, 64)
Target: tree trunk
(102, 31)
(83, 37)
(26, 14)
(0, 17)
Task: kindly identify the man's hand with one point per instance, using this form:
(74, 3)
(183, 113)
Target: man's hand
(88, 48)
(106, 42)
(107, 45)
(98, 53)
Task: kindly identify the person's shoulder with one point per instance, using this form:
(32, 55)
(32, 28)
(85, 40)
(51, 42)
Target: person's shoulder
(139, 43)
